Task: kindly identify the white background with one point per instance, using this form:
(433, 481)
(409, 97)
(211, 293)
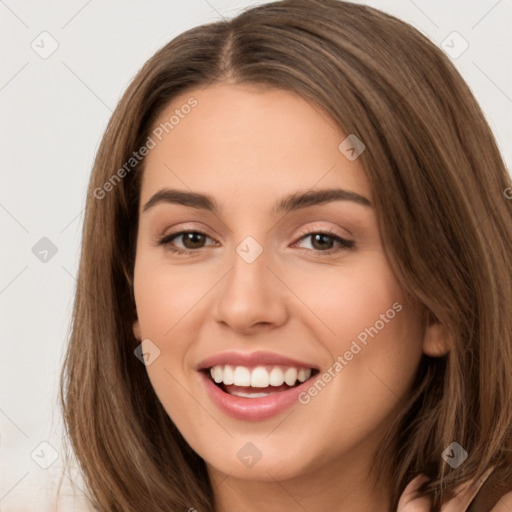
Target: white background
(53, 113)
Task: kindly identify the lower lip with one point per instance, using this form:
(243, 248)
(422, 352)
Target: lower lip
(253, 409)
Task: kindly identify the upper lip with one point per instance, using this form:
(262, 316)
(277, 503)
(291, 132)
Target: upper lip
(252, 359)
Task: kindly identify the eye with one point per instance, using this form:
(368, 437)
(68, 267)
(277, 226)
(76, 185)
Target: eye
(192, 240)
(325, 242)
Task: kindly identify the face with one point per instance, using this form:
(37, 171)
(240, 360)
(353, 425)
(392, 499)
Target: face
(255, 284)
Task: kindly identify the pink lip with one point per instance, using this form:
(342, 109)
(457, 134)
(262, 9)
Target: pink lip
(252, 409)
(252, 359)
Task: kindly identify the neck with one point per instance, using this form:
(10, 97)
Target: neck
(342, 485)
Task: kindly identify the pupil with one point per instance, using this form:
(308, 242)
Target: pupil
(194, 238)
(319, 237)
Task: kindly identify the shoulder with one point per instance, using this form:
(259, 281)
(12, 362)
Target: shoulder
(504, 504)
(495, 495)
(492, 493)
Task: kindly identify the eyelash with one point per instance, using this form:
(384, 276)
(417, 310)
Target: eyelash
(344, 244)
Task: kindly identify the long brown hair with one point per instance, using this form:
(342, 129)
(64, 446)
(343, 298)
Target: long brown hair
(439, 187)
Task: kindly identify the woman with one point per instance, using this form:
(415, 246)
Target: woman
(295, 282)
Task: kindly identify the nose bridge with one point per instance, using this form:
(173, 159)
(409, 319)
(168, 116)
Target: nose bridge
(250, 294)
(250, 265)
(249, 277)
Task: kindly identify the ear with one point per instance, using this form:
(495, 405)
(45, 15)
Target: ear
(436, 339)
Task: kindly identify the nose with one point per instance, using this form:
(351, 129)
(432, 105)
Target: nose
(251, 297)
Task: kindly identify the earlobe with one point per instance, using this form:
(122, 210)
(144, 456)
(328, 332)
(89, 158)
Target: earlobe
(436, 340)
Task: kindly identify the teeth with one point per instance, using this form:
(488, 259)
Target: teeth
(249, 395)
(217, 374)
(304, 374)
(290, 376)
(258, 377)
(276, 377)
(227, 376)
(242, 376)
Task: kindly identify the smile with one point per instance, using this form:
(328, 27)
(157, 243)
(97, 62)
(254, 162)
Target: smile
(254, 387)
(250, 382)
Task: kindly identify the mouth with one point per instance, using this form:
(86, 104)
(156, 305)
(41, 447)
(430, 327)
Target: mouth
(258, 381)
(255, 386)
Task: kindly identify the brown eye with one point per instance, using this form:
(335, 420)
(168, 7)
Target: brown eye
(190, 240)
(326, 242)
(322, 241)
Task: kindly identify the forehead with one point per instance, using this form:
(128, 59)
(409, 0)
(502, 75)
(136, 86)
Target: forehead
(262, 141)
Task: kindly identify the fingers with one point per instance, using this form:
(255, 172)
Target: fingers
(408, 503)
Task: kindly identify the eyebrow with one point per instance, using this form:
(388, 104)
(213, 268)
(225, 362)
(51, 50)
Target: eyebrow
(289, 203)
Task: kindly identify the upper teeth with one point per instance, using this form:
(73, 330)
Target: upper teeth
(258, 377)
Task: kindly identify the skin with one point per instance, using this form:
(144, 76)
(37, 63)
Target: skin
(465, 495)
(248, 147)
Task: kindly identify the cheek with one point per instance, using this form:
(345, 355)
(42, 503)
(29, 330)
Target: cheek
(169, 301)
(165, 294)
(365, 319)
(348, 299)
(164, 297)
(374, 338)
